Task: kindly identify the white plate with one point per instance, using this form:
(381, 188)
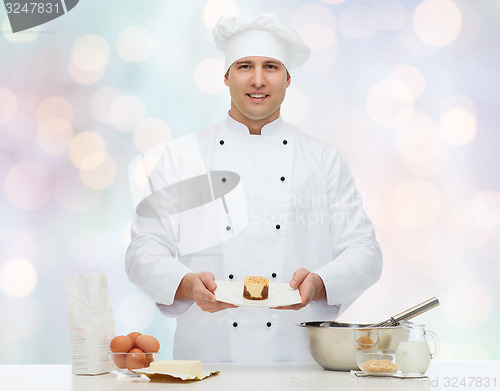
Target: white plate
(280, 294)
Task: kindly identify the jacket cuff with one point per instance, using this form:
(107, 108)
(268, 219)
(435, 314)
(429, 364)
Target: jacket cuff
(323, 311)
(176, 309)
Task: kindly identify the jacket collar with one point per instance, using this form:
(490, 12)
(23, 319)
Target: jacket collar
(271, 129)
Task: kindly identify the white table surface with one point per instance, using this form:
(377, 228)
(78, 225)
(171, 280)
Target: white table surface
(443, 375)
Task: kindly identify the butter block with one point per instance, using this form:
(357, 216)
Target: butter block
(182, 367)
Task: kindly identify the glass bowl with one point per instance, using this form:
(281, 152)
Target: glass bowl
(366, 339)
(126, 363)
(378, 362)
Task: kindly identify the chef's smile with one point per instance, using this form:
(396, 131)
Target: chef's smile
(257, 97)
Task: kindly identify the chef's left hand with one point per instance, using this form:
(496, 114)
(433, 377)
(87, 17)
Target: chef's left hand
(310, 285)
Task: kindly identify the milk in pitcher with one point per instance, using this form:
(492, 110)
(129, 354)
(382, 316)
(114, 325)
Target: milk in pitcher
(415, 354)
(417, 357)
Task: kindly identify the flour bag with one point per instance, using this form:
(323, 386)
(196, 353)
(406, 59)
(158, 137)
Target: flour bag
(91, 323)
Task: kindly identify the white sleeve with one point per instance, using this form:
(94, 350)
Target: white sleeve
(151, 263)
(176, 309)
(323, 311)
(151, 258)
(357, 258)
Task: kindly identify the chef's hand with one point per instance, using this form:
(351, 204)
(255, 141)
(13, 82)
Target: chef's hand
(311, 287)
(199, 287)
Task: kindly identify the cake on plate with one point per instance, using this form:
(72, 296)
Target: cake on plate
(256, 288)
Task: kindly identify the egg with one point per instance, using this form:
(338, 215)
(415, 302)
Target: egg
(147, 343)
(119, 360)
(133, 336)
(149, 359)
(136, 359)
(121, 344)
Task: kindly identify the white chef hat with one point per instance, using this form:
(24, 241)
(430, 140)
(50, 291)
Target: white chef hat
(262, 36)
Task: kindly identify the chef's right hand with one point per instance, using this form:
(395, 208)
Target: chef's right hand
(200, 287)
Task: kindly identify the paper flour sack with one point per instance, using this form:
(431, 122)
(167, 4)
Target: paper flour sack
(91, 323)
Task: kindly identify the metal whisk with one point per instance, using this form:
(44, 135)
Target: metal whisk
(408, 314)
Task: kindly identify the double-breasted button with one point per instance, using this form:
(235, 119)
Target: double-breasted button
(221, 142)
(228, 228)
(235, 324)
(278, 226)
(285, 142)
(223, 179)
(274, 275)
(268, 324)
(231, 276)
(282, 179)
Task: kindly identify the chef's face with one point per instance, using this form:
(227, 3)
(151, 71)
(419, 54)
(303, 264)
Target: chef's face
(257, 86)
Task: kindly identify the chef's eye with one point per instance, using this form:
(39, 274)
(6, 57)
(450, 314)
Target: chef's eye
(271, 66)
(244, 66)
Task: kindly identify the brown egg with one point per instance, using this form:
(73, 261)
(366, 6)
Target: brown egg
(119, 360)
(136, 359)
(133, 336)
(149, 359)
(121, 344)
(147, 343)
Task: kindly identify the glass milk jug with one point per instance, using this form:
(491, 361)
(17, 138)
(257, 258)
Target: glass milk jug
(417, 356)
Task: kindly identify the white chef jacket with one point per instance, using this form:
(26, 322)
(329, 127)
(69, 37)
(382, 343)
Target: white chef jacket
(303, 211)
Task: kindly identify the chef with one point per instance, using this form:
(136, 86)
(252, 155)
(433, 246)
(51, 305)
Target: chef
(253, 195)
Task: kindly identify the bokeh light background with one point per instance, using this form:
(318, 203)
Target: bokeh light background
(407, 90)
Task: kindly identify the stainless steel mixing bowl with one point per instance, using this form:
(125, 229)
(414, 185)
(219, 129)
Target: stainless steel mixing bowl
(333, 344)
